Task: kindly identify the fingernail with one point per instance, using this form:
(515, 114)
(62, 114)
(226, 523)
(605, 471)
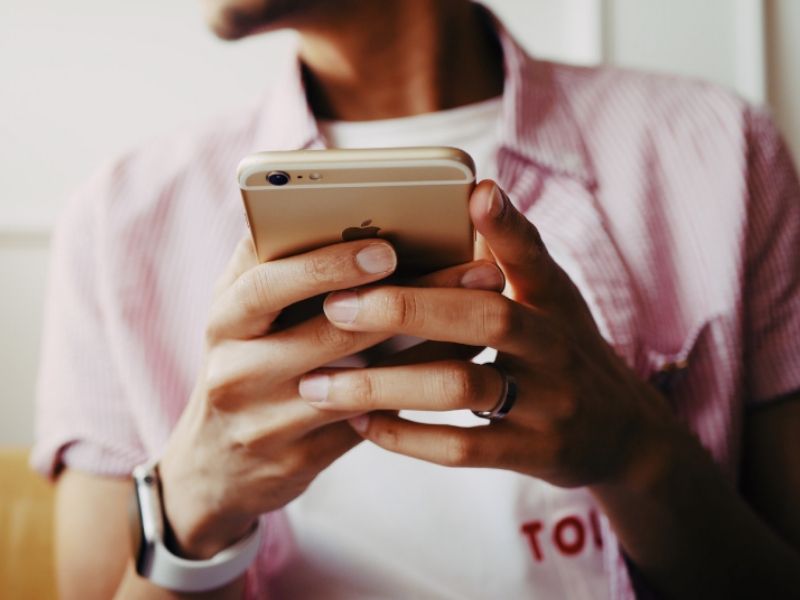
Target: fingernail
(483, 277)
(342, 307)
(496, 203)
(315, 387)
(376, 258)
(360, 423)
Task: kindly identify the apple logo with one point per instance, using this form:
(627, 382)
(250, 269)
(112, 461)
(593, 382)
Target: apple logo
(360, 233)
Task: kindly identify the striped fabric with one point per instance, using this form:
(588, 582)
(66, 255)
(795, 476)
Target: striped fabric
(672, 204)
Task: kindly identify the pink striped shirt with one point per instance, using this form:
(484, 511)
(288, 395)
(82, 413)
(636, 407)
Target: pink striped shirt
(672, 204)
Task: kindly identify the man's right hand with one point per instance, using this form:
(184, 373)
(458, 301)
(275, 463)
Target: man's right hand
(247, 443)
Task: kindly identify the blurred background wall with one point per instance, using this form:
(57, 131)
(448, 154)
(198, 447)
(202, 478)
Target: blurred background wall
(82, 81)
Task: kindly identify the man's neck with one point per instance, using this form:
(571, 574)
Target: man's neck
(398, 58)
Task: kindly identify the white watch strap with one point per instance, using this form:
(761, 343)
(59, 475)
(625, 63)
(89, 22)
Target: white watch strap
(180, 574)
(154, 560)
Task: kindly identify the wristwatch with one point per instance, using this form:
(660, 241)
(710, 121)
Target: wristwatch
(153, 559)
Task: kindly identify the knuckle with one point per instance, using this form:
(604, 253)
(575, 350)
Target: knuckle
(253, 291)
(227, 378)
(499, 320)
(517, 456)
(245, 437)
(459, 450)
(215, 329)
(337, 340)
(220, 385)
(218, 326)
(401, 309)
(460, 385)
(297, 463)
(222, 390)
(385, 436)
(318, 269)
(361, 390)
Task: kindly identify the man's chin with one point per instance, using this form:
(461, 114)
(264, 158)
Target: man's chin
(232, 24)
(238, 20)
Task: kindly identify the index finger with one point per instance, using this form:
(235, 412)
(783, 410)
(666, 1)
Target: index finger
(251, 302)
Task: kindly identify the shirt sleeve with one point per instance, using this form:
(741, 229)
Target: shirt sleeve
(772, 268)
(82, 420)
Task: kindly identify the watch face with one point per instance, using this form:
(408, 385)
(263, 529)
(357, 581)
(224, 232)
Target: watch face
(138, 543)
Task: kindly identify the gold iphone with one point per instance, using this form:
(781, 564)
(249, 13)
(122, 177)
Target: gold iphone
(415, 198)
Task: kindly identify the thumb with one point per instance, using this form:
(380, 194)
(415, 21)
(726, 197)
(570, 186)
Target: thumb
(515, 243)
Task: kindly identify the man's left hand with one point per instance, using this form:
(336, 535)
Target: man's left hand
(581, 416)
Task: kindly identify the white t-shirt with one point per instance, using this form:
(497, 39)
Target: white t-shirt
(381, 525)
(473, 128)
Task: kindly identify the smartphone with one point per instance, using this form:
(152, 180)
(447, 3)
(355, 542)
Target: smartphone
(415, 198)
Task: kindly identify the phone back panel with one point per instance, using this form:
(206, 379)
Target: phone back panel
(416, 198)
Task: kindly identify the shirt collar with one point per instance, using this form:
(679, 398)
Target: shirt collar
(537, 125)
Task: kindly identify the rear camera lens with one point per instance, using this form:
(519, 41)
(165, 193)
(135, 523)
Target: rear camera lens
(278, 178)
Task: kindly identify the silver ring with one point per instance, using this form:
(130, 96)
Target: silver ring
(507, 398)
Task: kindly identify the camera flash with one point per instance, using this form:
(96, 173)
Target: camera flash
(315, 176)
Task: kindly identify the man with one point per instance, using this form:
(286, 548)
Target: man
(644, 234)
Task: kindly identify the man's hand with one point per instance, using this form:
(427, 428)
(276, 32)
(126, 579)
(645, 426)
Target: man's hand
(247, 443)
(581, 416)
